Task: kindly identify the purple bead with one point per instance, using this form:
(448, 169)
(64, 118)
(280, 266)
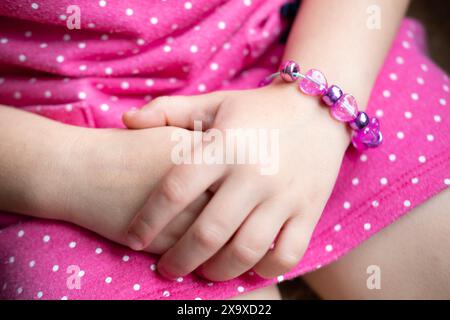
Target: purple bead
(334, 93)
(368, 137)
(360, 122)
(377, 142)
(289, 71)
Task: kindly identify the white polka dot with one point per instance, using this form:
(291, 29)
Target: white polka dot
(69, 107)
(72, 244)
(3, 40)
(34, 6)
(32, 263)
(82, 67)
(82, 45)
(367, 226)
(153, 20)
(19, 290)
(422, 159)
(392, 157)
(21, 233)
(420, 80)
(11, 259)
(226, 46)
(39, 294)
(379, 113)
(125, 258)
(399, 60)
(328, 248)
(280, 278)
(445, 87)
(129, 12)
(355, 181)
(17, 95)
(22, 58)
(47, 94)
(214, 66)
(406, 44)
(415, 180)
(247, 3)
(201, 87)
(363, 157)
(447, 181)
(98, 250)
(108, 279)
(198, 298)
(424, 67)
(346, 205)
(167, 48)
(400, 135)
(91, 25)
(384, 181)
(62, 17)
(66, 37)
(407, 203)
(430, 137)
(153, 267)
(393, 76)
(188, 5)
(408, 115)
(166, 293)
(437, 118)
(28, 34)
(337, 227)
(221, 25)
(386, 93)
(193, 48)
(55, 268)
(82, 95)
(442, 102)
(375, 203)
(43, 45)
(104, 37)
(180, 279)
(64, 298)
(46, 238)
(102, 3)
(240, 289)
(124, 85)
(81, 273)
(415, 96)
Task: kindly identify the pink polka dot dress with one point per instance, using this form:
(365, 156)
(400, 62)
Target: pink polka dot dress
(129, 52)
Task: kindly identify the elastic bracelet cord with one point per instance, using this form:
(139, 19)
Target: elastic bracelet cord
(343, 107)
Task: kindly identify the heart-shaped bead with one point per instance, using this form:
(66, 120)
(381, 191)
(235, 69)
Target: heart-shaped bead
(314, 83)
(345, 109)
(370, 136)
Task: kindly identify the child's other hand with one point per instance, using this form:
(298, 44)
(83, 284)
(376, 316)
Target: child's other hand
(248, 211)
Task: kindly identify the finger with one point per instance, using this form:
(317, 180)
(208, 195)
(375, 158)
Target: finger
(178, 111)
(250, 243)
(289, 248)
(214, 227)
(178, 226)
(181, 186)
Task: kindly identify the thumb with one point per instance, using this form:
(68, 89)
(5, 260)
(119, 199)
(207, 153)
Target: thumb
(178, 111)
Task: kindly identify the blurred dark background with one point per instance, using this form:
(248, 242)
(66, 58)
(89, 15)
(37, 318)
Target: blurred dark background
(434, 15)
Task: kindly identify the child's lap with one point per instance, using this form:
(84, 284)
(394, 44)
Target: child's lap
(373, 190)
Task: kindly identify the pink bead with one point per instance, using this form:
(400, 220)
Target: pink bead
(369, 136)
(345, 109)
(311, 88)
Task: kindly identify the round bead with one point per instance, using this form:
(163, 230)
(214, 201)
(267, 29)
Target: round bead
(377, 141)
(314, 83)
(290, 71)
(360, 122)
(334, 93)
(345, 109)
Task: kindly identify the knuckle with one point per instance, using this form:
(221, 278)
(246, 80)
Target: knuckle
(245, 255)
(173, 189)
(208, 237)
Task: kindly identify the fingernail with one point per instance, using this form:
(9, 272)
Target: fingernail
(166, 274)
(134, 242)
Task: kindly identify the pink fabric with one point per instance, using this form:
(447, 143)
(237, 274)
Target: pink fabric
(118, 61)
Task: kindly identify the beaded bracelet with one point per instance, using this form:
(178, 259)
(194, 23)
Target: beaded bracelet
(366, 131)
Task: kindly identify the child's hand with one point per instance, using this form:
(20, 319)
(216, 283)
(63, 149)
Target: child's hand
(235, 230)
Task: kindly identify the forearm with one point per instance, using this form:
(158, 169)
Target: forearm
(333, 36)
(33, 150)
